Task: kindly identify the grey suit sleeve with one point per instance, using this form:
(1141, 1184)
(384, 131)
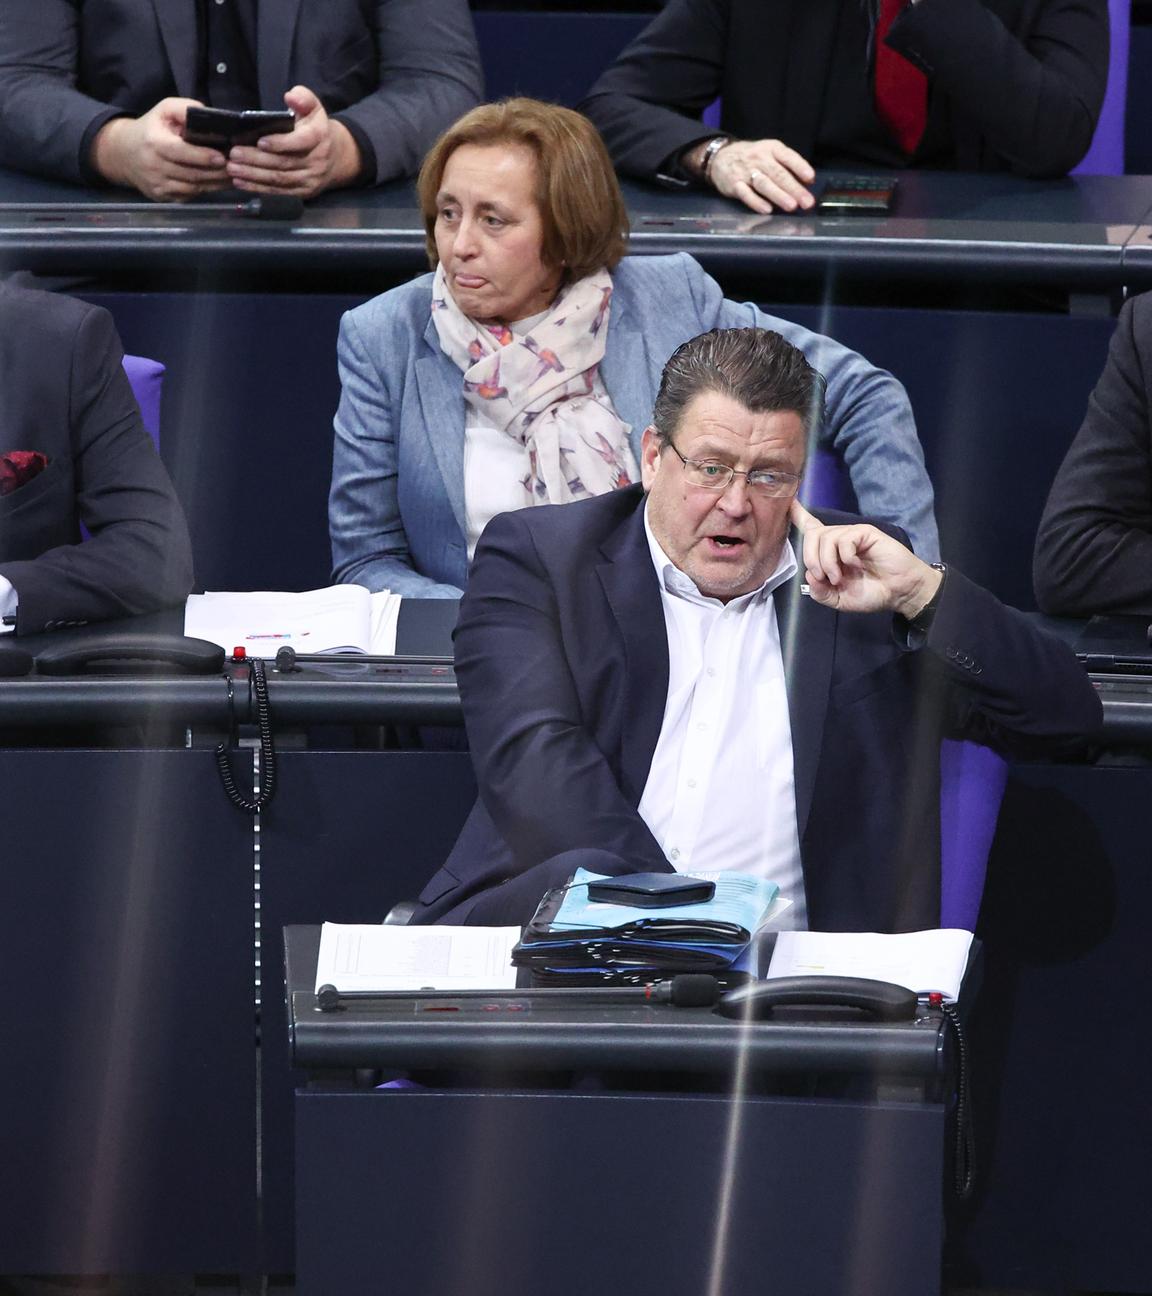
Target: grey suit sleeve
(868, 420)
(1035, 100)
(369, 543)
(1094, 545)
(138, 557)
(429, 74)
(647, 104)
(44, 119)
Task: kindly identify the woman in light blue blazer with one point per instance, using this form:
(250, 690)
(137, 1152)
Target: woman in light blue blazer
(524, 370)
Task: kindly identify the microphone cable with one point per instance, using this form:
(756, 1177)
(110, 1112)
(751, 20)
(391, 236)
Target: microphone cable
(267, 787)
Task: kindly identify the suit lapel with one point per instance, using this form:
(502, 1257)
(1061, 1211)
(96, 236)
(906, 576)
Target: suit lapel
(440, 389)
(633, 595)
(177, 22)
(808, 642)
(275, 30)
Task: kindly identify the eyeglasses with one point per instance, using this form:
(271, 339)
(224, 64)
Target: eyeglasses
(712, 475)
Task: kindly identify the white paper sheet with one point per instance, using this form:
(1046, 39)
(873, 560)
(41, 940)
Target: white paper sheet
(340, 618)
(362, 957)
(924, 961)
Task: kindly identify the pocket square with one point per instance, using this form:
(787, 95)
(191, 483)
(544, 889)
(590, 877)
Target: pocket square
(18, 467)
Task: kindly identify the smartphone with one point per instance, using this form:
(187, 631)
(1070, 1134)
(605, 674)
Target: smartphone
(651, 890)
(857, 195)
(220, 128)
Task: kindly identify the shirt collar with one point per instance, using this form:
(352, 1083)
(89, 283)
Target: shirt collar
(673, 581)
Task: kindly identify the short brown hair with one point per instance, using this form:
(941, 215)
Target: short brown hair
(756, 367)
(585, 220)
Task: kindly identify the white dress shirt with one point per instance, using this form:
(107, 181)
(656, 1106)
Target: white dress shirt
(721, 791)
(8, 604)
(495, 464)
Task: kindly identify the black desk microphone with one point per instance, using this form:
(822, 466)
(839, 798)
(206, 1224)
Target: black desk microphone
(262, 207)
(689, 990)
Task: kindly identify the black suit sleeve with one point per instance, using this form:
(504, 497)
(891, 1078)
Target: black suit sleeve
(543, 780)
(139, 556)
(429, 75)
(647, 105)
(1094, 545)
(1013, 686)
(45, 119)
(1035, 98)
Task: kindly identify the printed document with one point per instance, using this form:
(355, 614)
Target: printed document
(382, 957)
(924, 961)
(338, 619)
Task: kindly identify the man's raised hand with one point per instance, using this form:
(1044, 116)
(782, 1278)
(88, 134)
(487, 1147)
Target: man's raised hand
(858, 568)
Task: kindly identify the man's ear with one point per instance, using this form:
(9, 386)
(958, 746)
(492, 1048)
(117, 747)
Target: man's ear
(649, 456)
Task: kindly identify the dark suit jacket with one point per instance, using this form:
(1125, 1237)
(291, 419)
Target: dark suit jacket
(1016, 84)
(63, 392)
(1094, 545)
(399, 71)
(562, 659)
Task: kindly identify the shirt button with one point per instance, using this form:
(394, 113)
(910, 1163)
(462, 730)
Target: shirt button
(702, 726)
(673, 854)
(221, 68)
(691, 782)
(711, 670)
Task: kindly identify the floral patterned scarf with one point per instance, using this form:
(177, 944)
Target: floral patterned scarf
(543, 389)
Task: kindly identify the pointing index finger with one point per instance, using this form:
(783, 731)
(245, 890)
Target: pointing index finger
(803, 521)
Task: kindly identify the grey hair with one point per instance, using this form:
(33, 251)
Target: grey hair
(754, 366)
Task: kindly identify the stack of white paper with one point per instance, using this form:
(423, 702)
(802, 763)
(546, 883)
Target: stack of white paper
(355, 957)
(924, 961)
(339, 619)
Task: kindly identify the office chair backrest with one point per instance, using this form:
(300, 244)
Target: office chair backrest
(146, 378)
(972, 780)
(1105, 155)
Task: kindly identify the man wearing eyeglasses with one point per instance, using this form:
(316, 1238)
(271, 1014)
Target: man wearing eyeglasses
(657, 679)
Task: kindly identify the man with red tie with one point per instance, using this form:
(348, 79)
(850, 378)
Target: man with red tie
(970, 85)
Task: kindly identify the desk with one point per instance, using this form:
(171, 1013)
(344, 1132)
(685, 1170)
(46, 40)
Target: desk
(129, 1080)
(350, 833)
(796, 1183)
(346, 691)
(1070, 234)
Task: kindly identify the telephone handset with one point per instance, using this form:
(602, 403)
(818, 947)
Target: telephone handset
(877, 1000)
(132, 654)
(14, 661)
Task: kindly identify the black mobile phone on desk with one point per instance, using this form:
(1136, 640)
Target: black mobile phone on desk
(221, 128)
(857, 195)
(651, 890)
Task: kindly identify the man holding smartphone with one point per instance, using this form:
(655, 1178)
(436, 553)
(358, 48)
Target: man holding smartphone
(97, 90)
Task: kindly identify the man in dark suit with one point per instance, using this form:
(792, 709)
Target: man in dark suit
(1094, 545)
(974, 85)
(643, 674)
(73, 450)
(96, 90)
